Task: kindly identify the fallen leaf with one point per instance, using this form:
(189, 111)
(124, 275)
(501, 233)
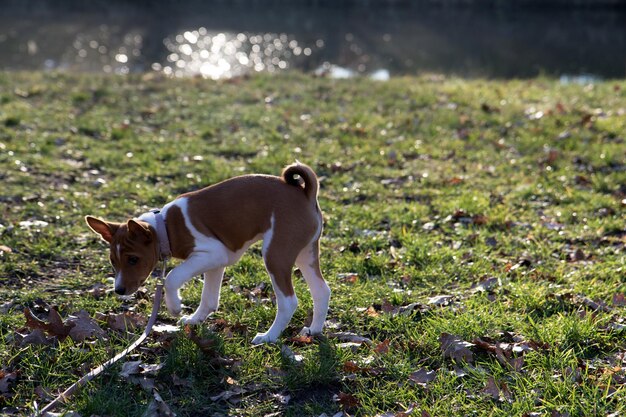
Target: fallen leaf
(348, 277)
(382, 347)
(83, 327)
(429, 226)
(43, 394)
(349, 345)
(347, 401)
(479, 219)
(205, 345)
(408, 309)
(6, 380)
(491, 241)
(440, 300)
(158, 407)
(130, 368)
(6, 307)
(282, 398)
(486, 284)
(491, 389)
(371, 312)
(290, 355)
(455, 348)
(36, 337)
(596, 306)
(351, 367)
(301, 339)
(54, 326)
(577, 255)
(62, 414)
(619, 300)
(180, 382)
(146, 383)
(350, 337)
(151, 369)
(124, 322)
(99, 290)
(422, 376)
(228, 394)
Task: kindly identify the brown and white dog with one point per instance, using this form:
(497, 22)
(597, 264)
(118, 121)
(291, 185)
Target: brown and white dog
(211, 228)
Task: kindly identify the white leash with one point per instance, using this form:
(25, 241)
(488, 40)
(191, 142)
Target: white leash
(61, 398)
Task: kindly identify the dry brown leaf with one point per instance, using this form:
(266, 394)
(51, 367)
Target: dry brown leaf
(619, 300)
(54, 326)
(491, 389)
(422, 376)
(83, 327)
(455, 348)
(350, 337)
(130, 368)
(126, 321)
(205, 345)
(290, 355)
(351, 367)
(371, 312)
(158, 407)
(228, 395)
(382, 347)
(301, 339)
(347, 401)
(36, 337)
(486, 284)
(6, 380)
(348, 277)
(440, 300)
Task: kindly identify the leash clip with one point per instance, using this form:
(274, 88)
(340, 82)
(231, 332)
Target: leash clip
(161, 277)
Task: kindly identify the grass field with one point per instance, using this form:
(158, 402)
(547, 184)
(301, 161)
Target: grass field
(474, 243)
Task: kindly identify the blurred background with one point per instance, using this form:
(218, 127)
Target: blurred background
(575, 40)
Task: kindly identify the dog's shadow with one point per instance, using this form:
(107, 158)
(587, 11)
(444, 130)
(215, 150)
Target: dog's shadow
(205, 374)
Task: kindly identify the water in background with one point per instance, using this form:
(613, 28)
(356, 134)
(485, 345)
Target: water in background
(224, 40)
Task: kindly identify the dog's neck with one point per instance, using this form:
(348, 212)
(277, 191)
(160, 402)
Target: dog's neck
(157, 222)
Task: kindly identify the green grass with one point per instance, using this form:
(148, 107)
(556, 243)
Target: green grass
(429, 186)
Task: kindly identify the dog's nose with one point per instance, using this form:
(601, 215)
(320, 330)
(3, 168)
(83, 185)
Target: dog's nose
(120, 290)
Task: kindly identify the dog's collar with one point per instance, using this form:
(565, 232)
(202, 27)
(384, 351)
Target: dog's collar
(161, 231)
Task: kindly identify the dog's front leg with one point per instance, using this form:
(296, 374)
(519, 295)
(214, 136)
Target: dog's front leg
(195, 264)
(210, 297)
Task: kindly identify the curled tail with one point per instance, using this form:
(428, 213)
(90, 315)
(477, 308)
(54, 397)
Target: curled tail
(306, 175)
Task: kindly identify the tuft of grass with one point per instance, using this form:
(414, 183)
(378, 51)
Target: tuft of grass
(487, 210)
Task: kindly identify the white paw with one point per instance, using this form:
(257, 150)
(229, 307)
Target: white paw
(191, 320)
(262, 338)
(173, 303)
(307, 331)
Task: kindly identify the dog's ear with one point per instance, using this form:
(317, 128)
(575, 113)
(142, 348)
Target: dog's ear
(105, 229)
(139, 230)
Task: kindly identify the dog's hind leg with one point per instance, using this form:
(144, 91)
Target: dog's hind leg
(309, 264)
(286, 303)
(279, 260)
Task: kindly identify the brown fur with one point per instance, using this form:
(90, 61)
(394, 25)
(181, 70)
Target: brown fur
(181, 240)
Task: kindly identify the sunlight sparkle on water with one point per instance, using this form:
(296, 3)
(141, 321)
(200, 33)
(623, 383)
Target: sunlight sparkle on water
(218, 55)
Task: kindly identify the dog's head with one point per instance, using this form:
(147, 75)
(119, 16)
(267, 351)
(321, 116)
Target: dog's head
(133, 247)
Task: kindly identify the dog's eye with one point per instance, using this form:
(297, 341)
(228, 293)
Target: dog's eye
(132, 260)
